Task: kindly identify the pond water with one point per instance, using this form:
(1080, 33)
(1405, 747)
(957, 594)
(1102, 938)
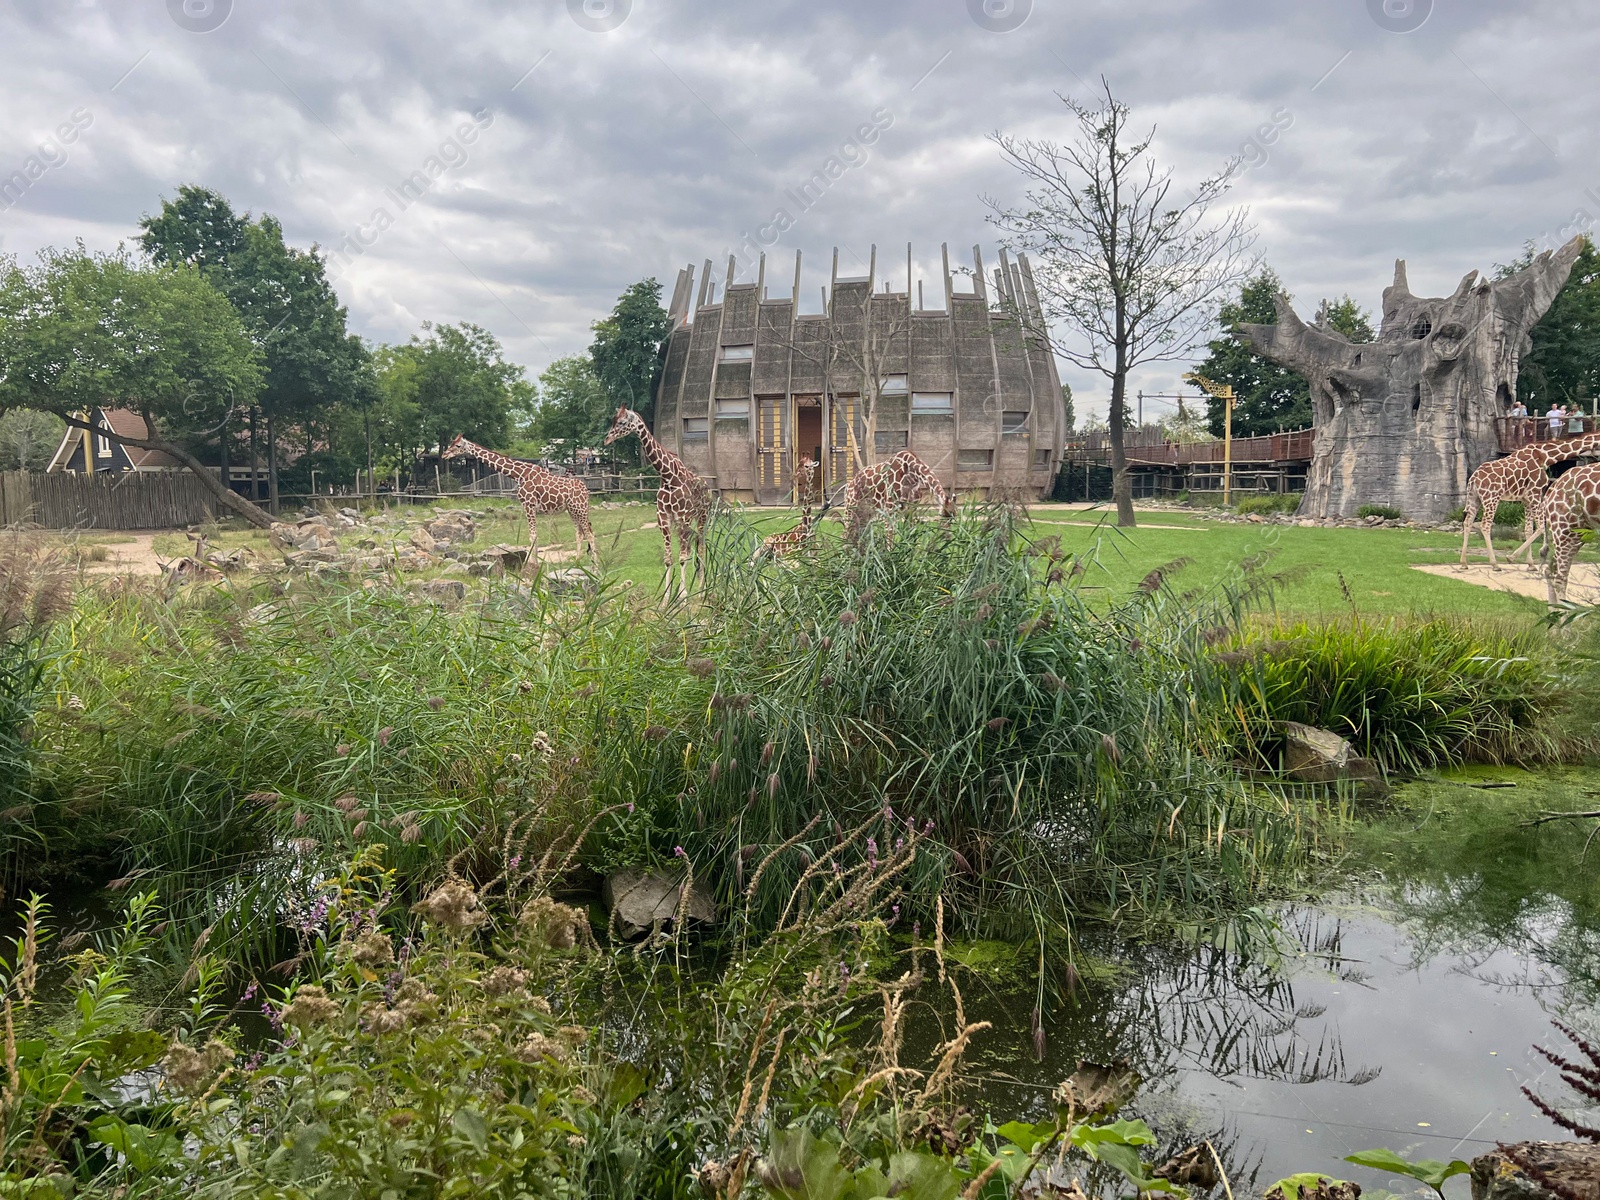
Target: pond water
(1400, 1013)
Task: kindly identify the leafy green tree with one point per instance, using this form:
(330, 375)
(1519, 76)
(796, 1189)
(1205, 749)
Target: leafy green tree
(1066, 406)
(28, 439)
(81, 331)
(574, 407)
(1267, 397)
(1564, 364)
(626, 351)
(313, 363)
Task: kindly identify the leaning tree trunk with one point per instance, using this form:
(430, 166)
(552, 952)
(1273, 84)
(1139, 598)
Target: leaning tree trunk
(1405, 420)
(226, 497)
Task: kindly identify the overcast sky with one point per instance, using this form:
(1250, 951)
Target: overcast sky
(611, 140)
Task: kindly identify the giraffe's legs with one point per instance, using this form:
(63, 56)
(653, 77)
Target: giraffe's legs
(1488, 506)
(1533, 525)
(664, 523)
(1565, 548)
(1467, 521)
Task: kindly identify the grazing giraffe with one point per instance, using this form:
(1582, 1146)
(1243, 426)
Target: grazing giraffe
(539, 490)
(1572, 504)
(683, 502)
(780, 545)
(1518, 476)
(897, 482)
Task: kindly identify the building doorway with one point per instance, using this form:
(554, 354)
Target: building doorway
(808, 442)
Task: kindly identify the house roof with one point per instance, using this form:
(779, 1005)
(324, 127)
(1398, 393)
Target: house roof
(122, 421)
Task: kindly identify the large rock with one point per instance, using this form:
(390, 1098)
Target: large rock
(452, 526)
(641, 901)
(1574, 1166)
(1312, 755)
(441, 591)
(1405, 420)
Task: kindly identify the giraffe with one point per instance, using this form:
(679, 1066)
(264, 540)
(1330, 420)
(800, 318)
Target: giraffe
(806, 481)
(1572, 504)
(539, 490)
(1518, 476)
(683, 502)
(897, 482)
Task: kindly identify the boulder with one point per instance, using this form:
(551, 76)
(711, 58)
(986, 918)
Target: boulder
(424, 541)
(1573, 1166)
(452, 526)
(441, 591)
(640, 901)
(509, 559)
(415, 560)
(1312, 755)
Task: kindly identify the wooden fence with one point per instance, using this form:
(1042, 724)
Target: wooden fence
(128, 501)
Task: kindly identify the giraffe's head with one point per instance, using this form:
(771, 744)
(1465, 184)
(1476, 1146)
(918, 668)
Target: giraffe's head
(456, 448)
(626, 423)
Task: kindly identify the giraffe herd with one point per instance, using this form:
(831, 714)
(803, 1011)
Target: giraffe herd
(1559, 510)
(683, 501)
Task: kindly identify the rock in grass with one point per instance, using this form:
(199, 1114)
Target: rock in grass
(441, 591)
(1572, 1166)
(639, 901)
(1312, 755)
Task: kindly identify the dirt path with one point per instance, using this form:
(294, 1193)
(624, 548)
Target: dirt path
(136, 556)
(1583, 588)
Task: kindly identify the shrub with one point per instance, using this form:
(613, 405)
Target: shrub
(1411, 694)
(1268, 505)
(1385, 511)
(1510, 512)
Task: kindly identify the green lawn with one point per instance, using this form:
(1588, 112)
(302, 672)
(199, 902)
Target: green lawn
(1375, 563)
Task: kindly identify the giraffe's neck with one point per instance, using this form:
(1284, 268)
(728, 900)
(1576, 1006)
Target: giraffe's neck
(493, 458)
(659, 457)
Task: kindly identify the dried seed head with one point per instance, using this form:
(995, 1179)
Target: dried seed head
(714, 774)
(847, 618)
(702, 668)
(505, 981)
(347, 804)
(767, 752)
(436, 702)
(410, 833)
(310, 1007)
(372, 950)
(655, 733)
(453, 905)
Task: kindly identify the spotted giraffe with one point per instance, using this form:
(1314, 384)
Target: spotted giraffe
(1571, 505)
(1518, 476)
(896, 483)
(683, 502)
(539, 490)
(807, 479)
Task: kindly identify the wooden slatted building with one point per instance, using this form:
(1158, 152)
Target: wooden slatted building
(751, 384)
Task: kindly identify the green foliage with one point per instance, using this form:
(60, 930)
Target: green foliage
(1411, 694)
(574, 408)
(1386, 512)
(66, 1095)
(625, 354)
(940, 670)
(1429, 1170)
(1269, 397)
(455, 380)
(314, 367)
(28, 439)
(34, 590)
(1563, 365)
(1268, 505)
(79, 331)
(1066, 406)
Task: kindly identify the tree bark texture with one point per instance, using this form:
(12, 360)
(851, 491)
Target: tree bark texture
(1405, 420)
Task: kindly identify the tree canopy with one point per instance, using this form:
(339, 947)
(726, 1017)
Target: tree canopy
(453, 380)
(574, 407)
(1564, 364)
(1267, 397)
(626, 351)
(80, 331)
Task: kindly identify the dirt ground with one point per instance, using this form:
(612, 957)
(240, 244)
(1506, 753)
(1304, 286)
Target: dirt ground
(136, 556)
(1582, 588)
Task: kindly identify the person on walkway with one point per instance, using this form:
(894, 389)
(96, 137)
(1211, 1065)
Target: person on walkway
(1556, 417)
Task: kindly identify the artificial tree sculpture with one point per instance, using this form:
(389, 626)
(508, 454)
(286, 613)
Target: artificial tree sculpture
(1405, 420)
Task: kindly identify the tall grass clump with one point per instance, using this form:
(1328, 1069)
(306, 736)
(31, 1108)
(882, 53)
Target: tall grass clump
(1268, 505)
(1410, 693)
(221, 747)
(35, 590)
(946, 677)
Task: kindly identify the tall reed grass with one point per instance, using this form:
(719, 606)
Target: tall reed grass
(221, 746)
(1412, 694)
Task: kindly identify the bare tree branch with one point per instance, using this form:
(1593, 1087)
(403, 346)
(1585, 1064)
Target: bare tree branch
(1128, 272)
